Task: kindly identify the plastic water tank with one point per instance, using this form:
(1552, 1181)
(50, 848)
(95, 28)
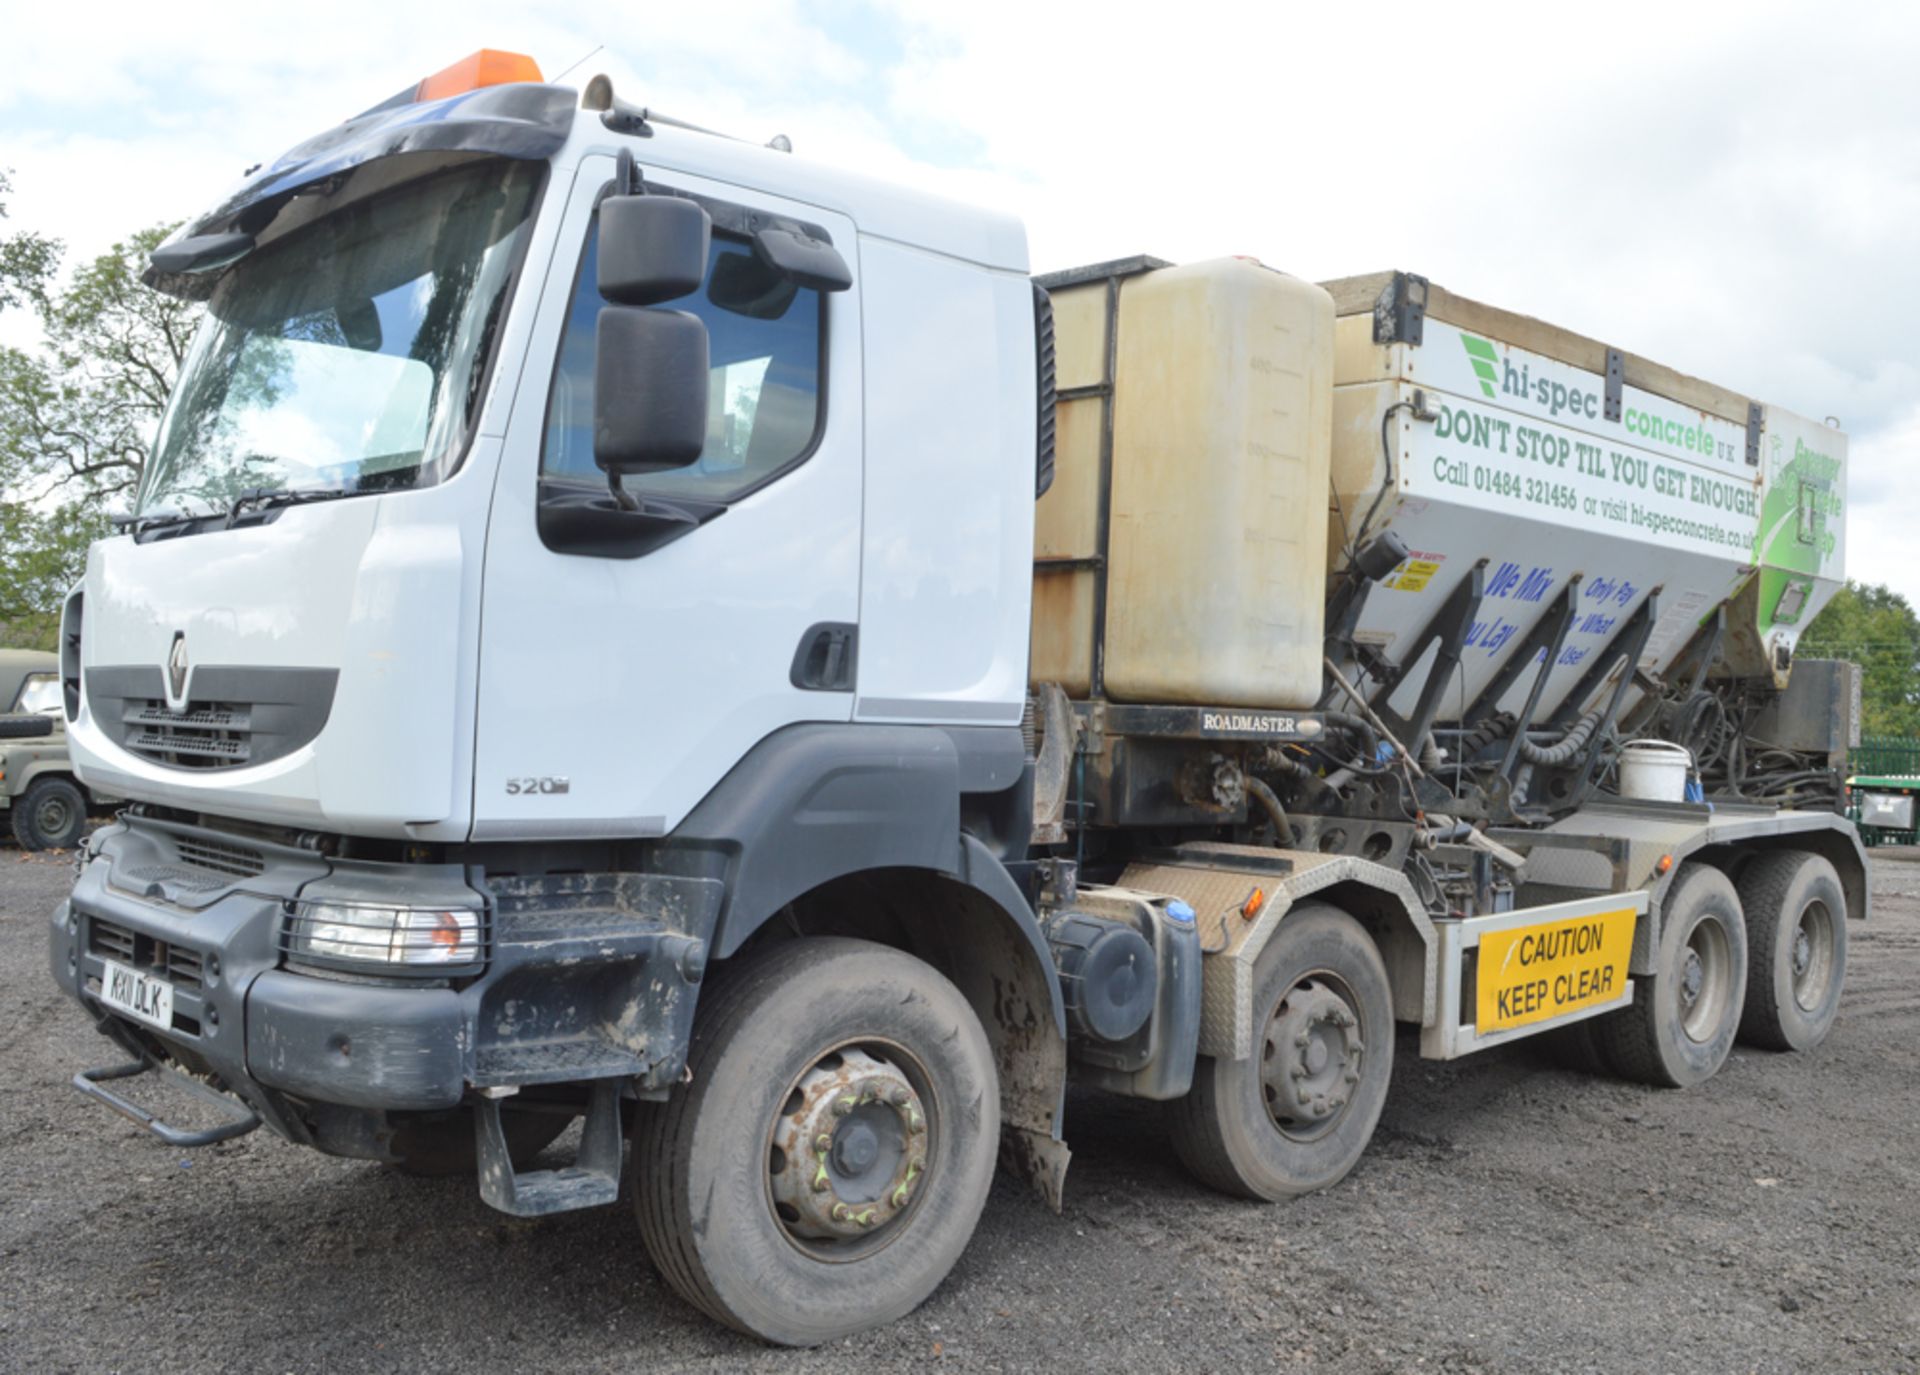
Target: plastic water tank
(1216, 542)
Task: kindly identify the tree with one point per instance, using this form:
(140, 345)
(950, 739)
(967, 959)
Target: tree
(1875, 628)
(77, 416)
(45, 553)
(27, 261)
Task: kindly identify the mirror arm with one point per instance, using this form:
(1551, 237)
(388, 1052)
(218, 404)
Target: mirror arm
(621, 496)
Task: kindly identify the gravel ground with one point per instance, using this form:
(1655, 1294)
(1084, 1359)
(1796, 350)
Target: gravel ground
(1510, 1216)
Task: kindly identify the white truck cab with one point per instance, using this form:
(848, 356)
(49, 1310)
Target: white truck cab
(502, 667)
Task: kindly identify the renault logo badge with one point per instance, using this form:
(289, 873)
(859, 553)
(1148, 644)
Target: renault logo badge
(177, 668)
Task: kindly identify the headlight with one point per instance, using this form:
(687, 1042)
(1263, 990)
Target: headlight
(413, 936)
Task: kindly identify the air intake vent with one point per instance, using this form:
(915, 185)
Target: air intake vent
(70, 653)
(1046, 399)
(220, 857)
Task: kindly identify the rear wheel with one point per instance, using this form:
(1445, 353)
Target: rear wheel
(1298, 1113)
(50, 815)
(825, 1165)
(1680, 1027)
(1797, 922)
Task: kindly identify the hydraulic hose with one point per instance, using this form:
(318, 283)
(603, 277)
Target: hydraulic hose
(1563, 750)
(1269, 802)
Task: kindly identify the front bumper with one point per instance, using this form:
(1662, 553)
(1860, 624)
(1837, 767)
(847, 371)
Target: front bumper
(589, 977)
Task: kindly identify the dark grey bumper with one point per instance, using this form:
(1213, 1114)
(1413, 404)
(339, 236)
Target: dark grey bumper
(589, 976)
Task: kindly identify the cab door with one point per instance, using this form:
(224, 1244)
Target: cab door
(617, 685)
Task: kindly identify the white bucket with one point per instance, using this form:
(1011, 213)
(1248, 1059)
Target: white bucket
(1655, 770)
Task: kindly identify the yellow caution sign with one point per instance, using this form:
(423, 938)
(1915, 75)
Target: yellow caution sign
(1413, 575)
(1535, 973)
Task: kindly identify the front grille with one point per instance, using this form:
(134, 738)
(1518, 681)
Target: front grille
(183, 966)
(212, 735)
(113, 941)
(239, 716)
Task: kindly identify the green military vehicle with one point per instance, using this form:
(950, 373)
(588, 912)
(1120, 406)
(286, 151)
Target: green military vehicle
(47, 805)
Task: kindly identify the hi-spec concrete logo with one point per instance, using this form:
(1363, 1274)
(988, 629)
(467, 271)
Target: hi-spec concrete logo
(1486, 363)
(1564, 393)
(1498, 376)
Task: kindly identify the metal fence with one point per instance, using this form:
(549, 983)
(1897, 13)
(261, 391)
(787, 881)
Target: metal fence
(1883, 755)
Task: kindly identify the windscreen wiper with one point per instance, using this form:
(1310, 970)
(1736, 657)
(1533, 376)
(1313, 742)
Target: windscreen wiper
(146, 522)
(272, 498)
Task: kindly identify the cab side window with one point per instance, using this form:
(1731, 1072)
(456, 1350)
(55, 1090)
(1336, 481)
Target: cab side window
(764, 402)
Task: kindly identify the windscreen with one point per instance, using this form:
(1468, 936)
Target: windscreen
(349, 355)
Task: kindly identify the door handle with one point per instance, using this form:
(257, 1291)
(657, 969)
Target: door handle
(826, 658)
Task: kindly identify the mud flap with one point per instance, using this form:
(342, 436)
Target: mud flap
(1040, 1160)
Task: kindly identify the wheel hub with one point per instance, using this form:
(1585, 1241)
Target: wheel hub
(1692, 975)
(849, 1148)
(1802, 952)
(1311, 1059)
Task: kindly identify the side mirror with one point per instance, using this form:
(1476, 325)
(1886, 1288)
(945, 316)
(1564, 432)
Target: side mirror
(652, 248)
(649, 390)
(804, 261)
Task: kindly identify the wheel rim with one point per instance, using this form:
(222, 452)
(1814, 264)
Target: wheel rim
(849, 1153)
(1811, 953)
(52, 817)
(1312, 1056)
(1705, 979)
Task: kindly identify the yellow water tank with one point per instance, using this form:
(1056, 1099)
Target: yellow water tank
(1215, 394)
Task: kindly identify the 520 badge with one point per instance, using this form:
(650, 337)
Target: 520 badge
(530, 787)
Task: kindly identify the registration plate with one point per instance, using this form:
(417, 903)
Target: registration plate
(1533, 974)
(137, 994)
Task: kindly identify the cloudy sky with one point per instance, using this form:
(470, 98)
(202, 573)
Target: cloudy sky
(1733, 190)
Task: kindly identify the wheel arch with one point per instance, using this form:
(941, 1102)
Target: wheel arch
(857, 830)
(1833, 846)
(975, 928)
(1379, 898)
(51, 768)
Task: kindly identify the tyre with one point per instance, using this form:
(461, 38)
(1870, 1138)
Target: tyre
(50, 815)
(824, 1166)
(1680, 1028)
(436, 1145)
(1298, 1113)
(1797, 955)
(1578, 1048)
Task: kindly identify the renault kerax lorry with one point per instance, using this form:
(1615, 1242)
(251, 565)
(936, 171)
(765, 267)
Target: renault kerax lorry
(624, 628)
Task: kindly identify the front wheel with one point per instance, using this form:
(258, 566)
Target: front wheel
(1296, 1115)
(825, 1165)
(50, 815)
